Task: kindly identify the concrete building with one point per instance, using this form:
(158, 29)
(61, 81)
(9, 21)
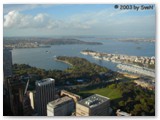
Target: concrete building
(145, 84)
(45, 92)
(71, 95)
(7, 62)
(95, 105)
(61, 107)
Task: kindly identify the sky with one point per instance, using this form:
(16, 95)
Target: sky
(77, 20)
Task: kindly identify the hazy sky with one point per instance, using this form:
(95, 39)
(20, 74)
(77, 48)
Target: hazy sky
(80, 19)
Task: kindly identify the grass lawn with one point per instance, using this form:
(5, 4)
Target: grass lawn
(108, 92)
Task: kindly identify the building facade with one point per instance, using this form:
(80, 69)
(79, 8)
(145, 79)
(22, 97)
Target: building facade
(45, 92)
(16, 92)
(27, 109)
(7, 62)
(95, 105)
(61, 107)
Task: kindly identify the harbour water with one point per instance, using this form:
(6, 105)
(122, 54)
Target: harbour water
(38, 57)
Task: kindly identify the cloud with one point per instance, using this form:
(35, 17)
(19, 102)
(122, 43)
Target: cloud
(14, 19)
(106, 22)
(22, 7)
(42, 20)
(90, 19)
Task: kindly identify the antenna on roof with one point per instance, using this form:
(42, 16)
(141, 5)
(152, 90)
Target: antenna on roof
(26, 87)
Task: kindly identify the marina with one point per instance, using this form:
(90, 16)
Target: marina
(137, 69)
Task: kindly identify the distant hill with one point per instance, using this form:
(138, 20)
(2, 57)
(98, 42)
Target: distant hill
(48, 41)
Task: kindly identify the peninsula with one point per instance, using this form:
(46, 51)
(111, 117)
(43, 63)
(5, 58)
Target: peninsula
(120, 58)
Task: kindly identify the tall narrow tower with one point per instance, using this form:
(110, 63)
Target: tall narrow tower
(7, 62)
(45, 92)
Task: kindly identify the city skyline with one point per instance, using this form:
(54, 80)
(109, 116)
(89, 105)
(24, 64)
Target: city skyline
(77, 19)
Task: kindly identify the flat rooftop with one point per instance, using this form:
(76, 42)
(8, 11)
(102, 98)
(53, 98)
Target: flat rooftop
(44, 81)
(59, 101)
(93, 101)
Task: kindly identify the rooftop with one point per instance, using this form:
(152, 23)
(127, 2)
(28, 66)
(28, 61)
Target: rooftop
(59, 101)
(45, 81)
(93, 101)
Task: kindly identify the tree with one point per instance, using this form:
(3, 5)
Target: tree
(137, 109)
(112, 86)
(121, 103)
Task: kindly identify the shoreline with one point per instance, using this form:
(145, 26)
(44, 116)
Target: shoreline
(121, 58)
(64, 62)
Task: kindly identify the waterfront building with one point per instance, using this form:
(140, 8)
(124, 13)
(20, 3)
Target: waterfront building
(7, 62)
(45, 92)
(61, 107)
(120, 58)
(95, 105)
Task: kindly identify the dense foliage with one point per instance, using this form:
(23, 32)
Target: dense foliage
(135, 99)
(131, 98)
(82, 67)
(126, 96)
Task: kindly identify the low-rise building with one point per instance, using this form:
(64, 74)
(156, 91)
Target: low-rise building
(95, 105)
(145, 84)
(61, 107)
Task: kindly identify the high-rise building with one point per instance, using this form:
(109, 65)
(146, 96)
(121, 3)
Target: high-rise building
(7, 62)
(61, 107)
(95, 105)
(45, 92)
(16, 92)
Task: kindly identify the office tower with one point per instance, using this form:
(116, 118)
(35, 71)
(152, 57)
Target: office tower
(16, 91)
(61, 107)
(45, 92)
(7, 62)
(95, 105)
